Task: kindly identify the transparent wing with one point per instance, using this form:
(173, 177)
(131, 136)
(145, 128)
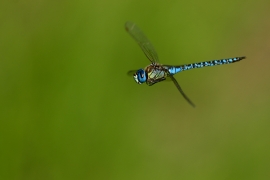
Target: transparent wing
(181, 91)
(142, 40)
(131, 72)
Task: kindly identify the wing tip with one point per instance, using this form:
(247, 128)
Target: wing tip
(129, 25)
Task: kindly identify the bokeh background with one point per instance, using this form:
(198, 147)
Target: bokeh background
(69, 111)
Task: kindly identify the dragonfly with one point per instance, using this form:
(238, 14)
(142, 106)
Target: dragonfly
(156, 72)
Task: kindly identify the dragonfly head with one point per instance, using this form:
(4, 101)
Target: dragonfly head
(140, 76)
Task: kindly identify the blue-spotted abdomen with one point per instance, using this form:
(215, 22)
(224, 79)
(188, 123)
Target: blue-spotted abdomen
(177, 69)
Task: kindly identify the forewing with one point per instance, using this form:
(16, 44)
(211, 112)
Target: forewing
(142, 40)
(131, 72)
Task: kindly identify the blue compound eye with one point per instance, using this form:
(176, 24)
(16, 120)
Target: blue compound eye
(140, 76)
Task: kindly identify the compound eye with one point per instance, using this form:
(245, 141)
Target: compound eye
(141, 75)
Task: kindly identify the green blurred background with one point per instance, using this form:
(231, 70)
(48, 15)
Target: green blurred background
(69, 111)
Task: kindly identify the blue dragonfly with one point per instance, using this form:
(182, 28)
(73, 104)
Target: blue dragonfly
(156, 72)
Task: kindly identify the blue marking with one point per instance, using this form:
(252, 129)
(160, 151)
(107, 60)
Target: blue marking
(176, 69)
(179, 69)
(173, 70)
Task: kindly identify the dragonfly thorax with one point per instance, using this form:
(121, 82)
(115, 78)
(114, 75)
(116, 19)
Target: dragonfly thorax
(140, 76)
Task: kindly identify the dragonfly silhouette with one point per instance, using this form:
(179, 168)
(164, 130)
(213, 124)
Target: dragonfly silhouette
(156, 72)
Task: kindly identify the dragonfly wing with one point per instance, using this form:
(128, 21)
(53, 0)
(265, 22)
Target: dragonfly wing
(131, 72)
(181, 91)
(142, 40)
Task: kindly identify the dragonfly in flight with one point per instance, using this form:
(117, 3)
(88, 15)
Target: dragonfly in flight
(156, 72)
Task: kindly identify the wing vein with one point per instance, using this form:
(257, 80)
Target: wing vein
(142, 40)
